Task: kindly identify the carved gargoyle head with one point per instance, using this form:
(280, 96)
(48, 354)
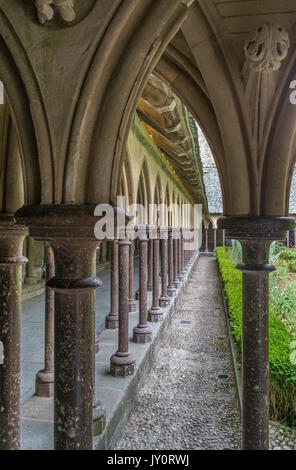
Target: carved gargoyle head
(46, 10)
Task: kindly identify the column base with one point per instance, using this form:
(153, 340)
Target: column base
(97, 344)
(155, 314)
(111, 322)
(122, 366)
(142, 334)
(177, 283)
(149, 288)
(99, 419)
(171, 290)
(44, 383)
(164, 301)
(137, 295)
(132, 306)
(181, 278)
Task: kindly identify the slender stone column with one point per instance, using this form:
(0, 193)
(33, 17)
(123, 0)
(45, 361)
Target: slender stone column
(183, 270)
(45, 378)
(255, 235)
(171, 290)
(131, 303)
(150, 265)
(155, 314)
(122, 362)
(207, 239)
(176, 258)
(112, 319)
(164, 299)
(180, 249)
(224, 238)
(288, 239)
(11, 260)
(70, 231)
(215, 239)
(142, 332)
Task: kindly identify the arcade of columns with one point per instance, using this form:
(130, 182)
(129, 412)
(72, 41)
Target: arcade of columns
(73, 74)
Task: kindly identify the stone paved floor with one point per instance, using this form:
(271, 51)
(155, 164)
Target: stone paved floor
(189, 400)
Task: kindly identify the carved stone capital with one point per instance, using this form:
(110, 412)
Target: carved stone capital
(267, 47)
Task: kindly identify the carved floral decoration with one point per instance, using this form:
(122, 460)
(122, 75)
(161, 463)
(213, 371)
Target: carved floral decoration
(267, 47)
(46, 10)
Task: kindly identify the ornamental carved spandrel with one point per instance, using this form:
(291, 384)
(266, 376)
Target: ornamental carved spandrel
(265, 50)
(267, 47)
(46, 10)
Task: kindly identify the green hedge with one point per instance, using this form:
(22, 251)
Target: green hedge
(282, 371)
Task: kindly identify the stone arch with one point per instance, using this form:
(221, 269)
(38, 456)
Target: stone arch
(22, 116)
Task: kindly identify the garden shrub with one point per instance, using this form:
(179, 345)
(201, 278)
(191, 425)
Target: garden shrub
(282, 371)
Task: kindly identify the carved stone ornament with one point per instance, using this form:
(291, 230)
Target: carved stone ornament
(46, 10)
(267, 47)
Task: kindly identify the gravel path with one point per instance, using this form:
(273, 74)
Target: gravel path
(189, 400)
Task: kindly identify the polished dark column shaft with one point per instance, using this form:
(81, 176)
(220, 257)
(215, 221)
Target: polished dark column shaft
(180, 273)
(171, 289)
(74, 343)
(132, 304)
(11, 260)
(45, 377)
(224, 238)
(150, 265)
(215, 239)
(155, 314)
(176, 260)
(122, 363)
(255, 270)
(113, 318)
(142, 332)
(164, 299)
(255, 235)
(207, 239)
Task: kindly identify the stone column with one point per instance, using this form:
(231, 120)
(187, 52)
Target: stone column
(171, 289)
(131, 303)
(255, 235)
(224, 237)
(11, 260)
(176, 258)
(180, 249)
(155, 314)
(142, 332)
(70, 231)
(112, 319)
(183, 270)
(164, 299)
(35, 261)
(150, 265)
(288, 239)
(207, 239)
(122, 363)
(44, 384)
(215, 239)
